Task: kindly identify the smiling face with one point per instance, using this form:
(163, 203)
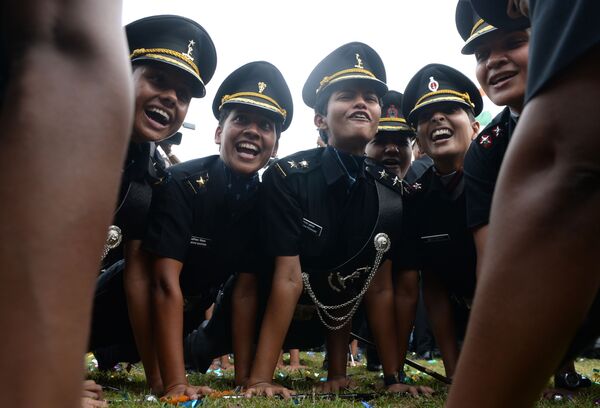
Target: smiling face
(502, 67)
(247, 139)
(162, 97)
(351, 119)
(393, 149)
(445, 131)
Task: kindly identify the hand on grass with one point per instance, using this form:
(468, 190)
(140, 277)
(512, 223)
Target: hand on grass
(91, 395)
(267, 389)
(414, 391)
(335, 385)
(191, 391)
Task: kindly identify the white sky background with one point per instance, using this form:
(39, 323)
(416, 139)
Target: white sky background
(296, 35)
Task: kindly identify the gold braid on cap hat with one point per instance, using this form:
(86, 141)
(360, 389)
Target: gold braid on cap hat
(239, 97)
(326, 80)
(152, 53)
(464, 96)
(476, 26)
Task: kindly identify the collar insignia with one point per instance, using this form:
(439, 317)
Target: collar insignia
(485, 141)
(202, 181)
(293, 164)
(383, 174)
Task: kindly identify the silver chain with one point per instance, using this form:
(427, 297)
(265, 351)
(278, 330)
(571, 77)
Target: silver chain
(113, 239)
(382, 245)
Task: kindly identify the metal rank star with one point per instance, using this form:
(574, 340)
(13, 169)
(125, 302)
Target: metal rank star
(497, 130)
(396, 181)
(202, 181)
(383, 174)
(417, 186)
(293, 164)
(303, 164)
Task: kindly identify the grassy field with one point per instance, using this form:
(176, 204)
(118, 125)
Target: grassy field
(127, 388)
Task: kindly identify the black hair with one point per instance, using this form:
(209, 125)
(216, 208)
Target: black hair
(226, 111)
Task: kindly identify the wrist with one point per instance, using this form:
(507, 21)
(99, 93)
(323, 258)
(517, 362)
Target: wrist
(395, 378)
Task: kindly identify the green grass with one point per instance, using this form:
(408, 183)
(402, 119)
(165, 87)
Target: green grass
(128, 389)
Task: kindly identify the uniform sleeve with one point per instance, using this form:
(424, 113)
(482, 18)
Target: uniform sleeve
(282, 215)
(479, 187)
(170, 221)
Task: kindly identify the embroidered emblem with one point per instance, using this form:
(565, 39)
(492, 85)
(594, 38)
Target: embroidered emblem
(433, 84)
(485, 141)
(190, 49)
(396, 181)
(202, 181)
(359, 63)
(383, 174)
(497, 130)
(392, 111)
(261, 87)
(293, 164)
(303, 164)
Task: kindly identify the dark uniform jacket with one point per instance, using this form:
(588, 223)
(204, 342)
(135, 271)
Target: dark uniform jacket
(205, 217)
(482, 165)
(143, 168)
(435, 236)
(322, 205)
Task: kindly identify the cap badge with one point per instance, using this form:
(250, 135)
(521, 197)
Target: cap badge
(392, 111)
(261, 87)
(433, 84)
(190, 49)
(359, 63)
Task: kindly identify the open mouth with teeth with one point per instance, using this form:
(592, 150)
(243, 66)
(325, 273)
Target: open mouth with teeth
(158, 115)
(499, 78)
(441, 134)
(248, 149)
(362, 116)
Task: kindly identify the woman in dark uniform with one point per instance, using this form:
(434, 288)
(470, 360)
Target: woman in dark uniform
(542, 246)
(329, 217)
(203, 225)
(172, 59)
(441, 104)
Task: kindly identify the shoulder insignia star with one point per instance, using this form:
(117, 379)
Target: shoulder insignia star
(293, 164)
(303, 164)
(202, 181)
(383, 174)
(417, 186)
(396, 181)
(497, 130)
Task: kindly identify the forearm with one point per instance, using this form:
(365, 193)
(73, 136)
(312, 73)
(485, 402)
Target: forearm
(439, 311)
(138, 291)
(480, 238)
(168, 307)
(406, 296)
(286, 290)
(379, 303)
(244, 325)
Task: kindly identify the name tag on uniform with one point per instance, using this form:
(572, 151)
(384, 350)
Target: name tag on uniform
(428, 239)
(199, 241)
(312, 227)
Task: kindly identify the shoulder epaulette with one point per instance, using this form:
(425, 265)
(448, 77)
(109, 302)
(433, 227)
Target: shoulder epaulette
(497, 128)
(300, 162)
(195, 174)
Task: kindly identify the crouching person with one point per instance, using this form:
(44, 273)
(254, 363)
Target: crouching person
(203, 219)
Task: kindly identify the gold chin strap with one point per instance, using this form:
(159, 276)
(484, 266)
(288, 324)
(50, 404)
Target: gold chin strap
(242, 97)
(464, 96)
(181, 56)
(328, 79)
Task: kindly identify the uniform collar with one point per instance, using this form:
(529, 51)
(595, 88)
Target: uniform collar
(334, 168)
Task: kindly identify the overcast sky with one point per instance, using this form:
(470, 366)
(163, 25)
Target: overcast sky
(296, 35)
